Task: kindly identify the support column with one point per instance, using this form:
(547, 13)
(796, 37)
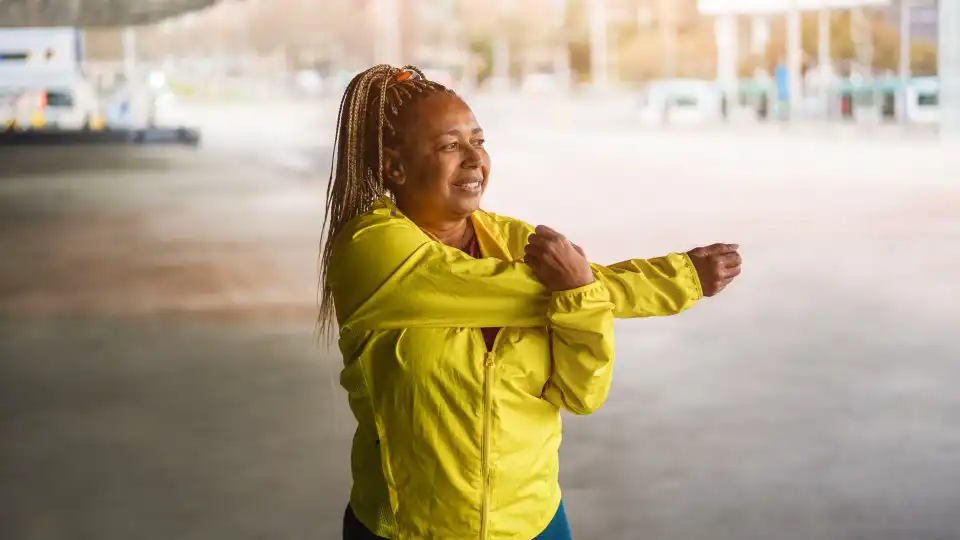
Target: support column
(906, 37)
(759, 34)
(501, 63)
(667, 24)
(728, 57)
(130, 54)
(794, 59)
(599, 61)
(561, 53)
(949, 69)
(824, 61)
(824, 58)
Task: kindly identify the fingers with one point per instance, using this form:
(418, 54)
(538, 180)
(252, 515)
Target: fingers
(533, 261)
(545, 237)
(538, 240)
(728, 274)
(559, 264)
(720, 249)
(729, 260)
(537, 250)
(532, 251)
(545, 231)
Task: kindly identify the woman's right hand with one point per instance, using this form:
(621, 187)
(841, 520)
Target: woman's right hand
(557, 263)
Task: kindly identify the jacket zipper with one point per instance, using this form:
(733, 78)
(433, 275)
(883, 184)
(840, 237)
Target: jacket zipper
(485, 448)
(489, 366)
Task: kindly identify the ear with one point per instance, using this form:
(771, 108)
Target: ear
(392, 167)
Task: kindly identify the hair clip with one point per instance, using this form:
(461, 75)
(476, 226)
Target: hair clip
(406, 74)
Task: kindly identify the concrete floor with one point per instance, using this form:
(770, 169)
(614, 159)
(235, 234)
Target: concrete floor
(159, 377)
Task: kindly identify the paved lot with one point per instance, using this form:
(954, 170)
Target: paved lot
(159, 376)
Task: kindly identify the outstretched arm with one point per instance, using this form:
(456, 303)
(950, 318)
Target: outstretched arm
(651, 287)
(671, 284)
(655, 287)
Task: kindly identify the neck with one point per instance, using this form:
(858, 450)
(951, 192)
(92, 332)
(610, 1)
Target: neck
(455, 234)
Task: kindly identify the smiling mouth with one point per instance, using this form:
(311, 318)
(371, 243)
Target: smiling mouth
(471, 187)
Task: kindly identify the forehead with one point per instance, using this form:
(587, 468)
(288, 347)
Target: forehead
(441, 113)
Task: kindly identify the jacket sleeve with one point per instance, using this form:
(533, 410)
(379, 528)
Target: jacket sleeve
(582, 348)
(651, 287)
(386, 274)
(639, 287)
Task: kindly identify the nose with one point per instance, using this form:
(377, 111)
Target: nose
(472, 158)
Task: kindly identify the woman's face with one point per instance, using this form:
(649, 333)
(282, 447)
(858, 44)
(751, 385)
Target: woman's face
(443, 166)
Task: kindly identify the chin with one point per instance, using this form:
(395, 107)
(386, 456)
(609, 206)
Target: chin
(468, 206)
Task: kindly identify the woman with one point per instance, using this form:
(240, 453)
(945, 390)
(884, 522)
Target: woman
(464, 333)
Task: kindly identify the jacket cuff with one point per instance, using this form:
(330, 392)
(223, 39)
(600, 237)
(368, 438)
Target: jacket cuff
(572, 294)
(583, 308)
(692, 280)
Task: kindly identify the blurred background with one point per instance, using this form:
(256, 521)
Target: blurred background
(163, 170)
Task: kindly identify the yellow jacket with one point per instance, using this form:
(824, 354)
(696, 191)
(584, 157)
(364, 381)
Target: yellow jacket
(454, 442)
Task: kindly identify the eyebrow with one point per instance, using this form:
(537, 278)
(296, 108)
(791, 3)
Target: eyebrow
(474, 131)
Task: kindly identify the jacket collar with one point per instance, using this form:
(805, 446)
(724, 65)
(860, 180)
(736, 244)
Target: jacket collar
(492, 243)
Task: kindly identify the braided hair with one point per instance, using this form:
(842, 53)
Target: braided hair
(375, 107)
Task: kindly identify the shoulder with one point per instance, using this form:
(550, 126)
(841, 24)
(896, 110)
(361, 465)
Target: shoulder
(510, 234)
(369, 248)
(509, 228)
(377, 228)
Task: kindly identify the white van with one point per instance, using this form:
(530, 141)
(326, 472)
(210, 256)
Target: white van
(923, 100)
(56, 103)
(43, 67)
(681, 102)
(73, 106)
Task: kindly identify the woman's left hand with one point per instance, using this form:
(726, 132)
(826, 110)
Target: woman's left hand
(557, 263)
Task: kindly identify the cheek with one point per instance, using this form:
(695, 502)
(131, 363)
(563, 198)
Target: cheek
(428, 174)
(442, 173)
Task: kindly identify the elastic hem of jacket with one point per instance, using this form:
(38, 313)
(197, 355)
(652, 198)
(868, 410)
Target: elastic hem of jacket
(693, 272)
(596, 284)
(378, 528)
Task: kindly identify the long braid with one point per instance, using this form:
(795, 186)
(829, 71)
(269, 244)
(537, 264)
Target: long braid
(356, 180)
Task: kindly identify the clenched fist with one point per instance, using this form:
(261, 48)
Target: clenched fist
(716, 266)
(557, 263)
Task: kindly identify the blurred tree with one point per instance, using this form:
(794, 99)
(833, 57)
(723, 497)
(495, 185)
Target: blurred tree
(886, 45)
(578, 36)
(482, 50)
(644, 52)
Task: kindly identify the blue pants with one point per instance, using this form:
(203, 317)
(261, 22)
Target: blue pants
(558, 529)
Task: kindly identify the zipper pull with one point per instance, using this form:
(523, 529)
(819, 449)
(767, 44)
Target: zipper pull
(489, 360)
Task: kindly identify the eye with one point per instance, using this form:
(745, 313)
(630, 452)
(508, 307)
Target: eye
(450, 146)
(479, 142)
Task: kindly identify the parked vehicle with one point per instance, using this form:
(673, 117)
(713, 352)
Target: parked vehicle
(42, 67)
(681, 101)
(62, 103)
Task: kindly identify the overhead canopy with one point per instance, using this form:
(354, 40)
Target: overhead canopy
(93, 13)
(759, 7)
